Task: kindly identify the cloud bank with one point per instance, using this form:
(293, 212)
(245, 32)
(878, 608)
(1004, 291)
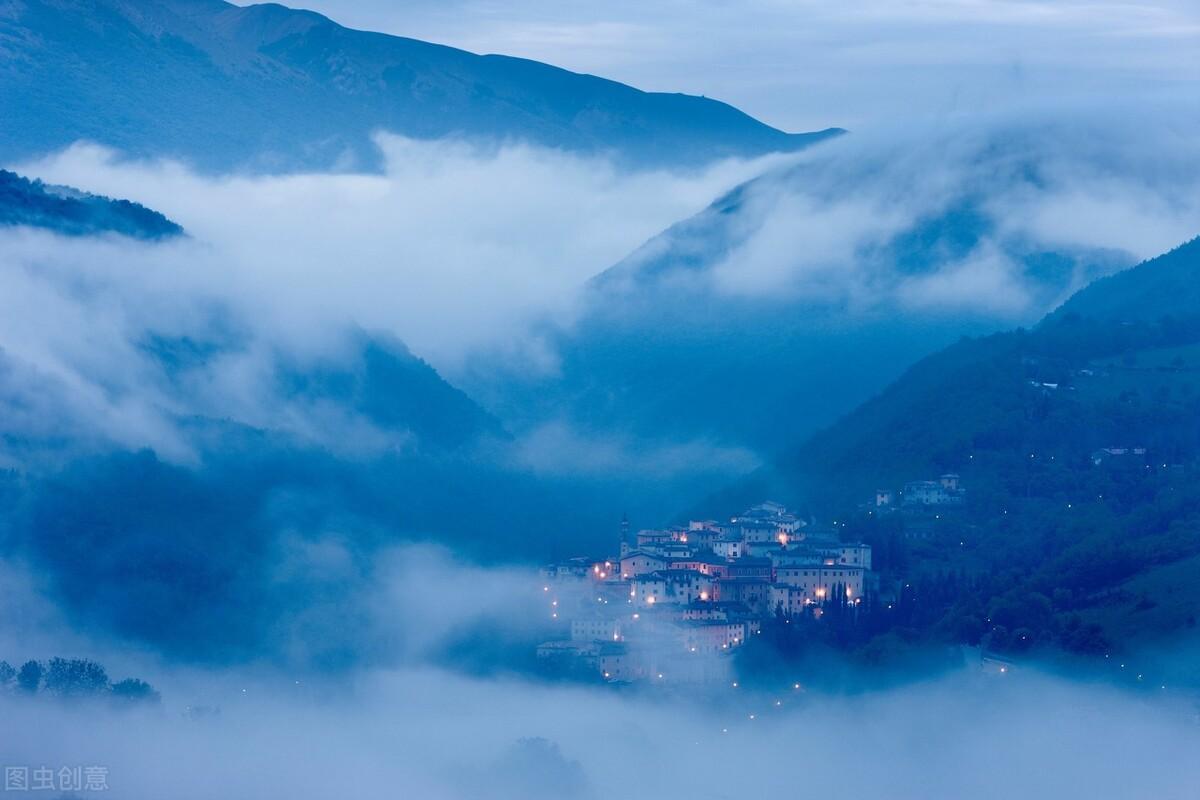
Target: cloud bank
(428, 734)
(452, 248)
(405, 722)
(1002, 219)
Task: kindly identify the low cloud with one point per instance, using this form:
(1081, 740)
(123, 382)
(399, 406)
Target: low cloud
(429, 734)
(1002, 220)
(556, 448)
(413, 726)
(451, 249)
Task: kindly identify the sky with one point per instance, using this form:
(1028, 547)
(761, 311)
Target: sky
(805, 64)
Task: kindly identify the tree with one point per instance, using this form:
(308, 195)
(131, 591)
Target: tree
(29, 679)
(8, 676)
(132, 690)
(75, 677)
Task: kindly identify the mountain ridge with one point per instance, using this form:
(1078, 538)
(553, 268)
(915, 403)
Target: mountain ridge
(268, 86)
(68, 211)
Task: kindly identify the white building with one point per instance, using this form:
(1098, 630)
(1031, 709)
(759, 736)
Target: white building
(933, 493)
(712, 636)
(639, 562)
(818, 582)
(729, 547)
(671, 587)
(596, 629)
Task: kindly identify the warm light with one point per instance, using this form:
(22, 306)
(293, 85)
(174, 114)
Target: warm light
(704, 595)
(545, 588)
(783, 539)
(650, 600)
(596, 568)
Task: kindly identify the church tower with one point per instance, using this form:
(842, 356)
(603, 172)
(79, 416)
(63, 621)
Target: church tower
(625, 548)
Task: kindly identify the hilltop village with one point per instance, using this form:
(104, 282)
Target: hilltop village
(700, 589)
(705, 588)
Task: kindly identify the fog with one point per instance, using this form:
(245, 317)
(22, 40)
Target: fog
(417, 725)
(451, 249)
(889, 217)
(415, 728)
(431, 735)
(468, 255)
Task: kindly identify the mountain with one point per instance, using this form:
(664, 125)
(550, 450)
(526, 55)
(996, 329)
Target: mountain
(1118, 353)
(1077, 444)
(1162, 287)
(74, 213)
(799, 294)
(269, 87)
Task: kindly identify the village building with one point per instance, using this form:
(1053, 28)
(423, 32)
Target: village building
(640, 562)
(729, 546)
(596, 629)
(945, 491)
(712, 636)
(820, 582)
(753, 592)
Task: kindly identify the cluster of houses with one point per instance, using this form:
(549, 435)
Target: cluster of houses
(946, 491)
(674, 594)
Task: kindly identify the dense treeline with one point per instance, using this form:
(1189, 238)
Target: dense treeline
(74, 679)
(63, 210)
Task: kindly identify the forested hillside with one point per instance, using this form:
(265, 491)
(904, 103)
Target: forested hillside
(74, 213)
(1078, 446)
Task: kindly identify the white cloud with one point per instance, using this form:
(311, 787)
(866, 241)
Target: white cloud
(956, 218)
(451, 249)
(427, 734)
(418, 729)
